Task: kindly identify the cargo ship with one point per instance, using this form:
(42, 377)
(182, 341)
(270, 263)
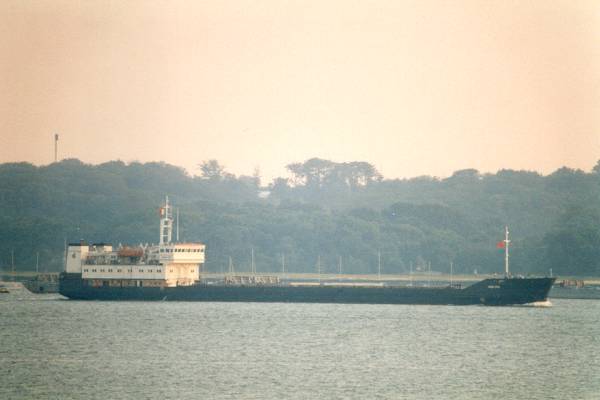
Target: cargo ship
(172, 271)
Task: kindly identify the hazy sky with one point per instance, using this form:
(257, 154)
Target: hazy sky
(414, 87)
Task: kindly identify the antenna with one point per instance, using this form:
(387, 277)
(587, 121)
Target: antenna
(451, 267)
(55, 147)
(37, 262)
(283, 264)
(252, 266)
(177, 234)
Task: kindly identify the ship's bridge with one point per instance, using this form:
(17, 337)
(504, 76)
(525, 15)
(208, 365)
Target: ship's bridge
(178, 253)
(171, 264)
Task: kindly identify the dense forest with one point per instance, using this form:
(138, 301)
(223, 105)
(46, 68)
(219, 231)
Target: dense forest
(322, 209)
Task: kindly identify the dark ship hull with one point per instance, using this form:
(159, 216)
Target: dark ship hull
(488, 292)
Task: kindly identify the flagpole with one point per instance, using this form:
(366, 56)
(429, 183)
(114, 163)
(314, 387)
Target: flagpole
(506, 242)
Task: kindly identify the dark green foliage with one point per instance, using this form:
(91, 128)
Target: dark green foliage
(325, 210)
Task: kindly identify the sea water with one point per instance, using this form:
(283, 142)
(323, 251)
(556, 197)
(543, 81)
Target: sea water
(61, 349)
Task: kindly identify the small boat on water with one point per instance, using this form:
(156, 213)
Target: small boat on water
(4, 290)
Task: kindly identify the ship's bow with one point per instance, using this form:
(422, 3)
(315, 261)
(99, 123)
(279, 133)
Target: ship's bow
(508, 291)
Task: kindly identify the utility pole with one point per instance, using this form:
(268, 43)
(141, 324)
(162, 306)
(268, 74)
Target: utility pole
(252, 263)
(37, 262)
(451, 267)
(56, 147)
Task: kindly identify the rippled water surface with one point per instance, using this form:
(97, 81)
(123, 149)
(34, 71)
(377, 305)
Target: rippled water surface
(53, 348)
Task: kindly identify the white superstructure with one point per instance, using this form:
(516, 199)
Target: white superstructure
(165, 264)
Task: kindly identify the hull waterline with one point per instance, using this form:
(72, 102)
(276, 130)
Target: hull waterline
(488, 292)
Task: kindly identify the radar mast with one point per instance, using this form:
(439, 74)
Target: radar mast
(166, 223)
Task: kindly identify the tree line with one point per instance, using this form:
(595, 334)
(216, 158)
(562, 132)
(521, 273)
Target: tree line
(323, 210)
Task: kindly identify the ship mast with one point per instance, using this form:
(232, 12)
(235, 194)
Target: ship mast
(506, 242)
(177, 234)
(379, 264)
(319, 267)
(166, 223)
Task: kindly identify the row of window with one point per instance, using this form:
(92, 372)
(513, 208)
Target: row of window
(120, 270)
(182, 250)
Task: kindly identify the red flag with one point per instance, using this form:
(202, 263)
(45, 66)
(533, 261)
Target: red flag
(500, 244)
